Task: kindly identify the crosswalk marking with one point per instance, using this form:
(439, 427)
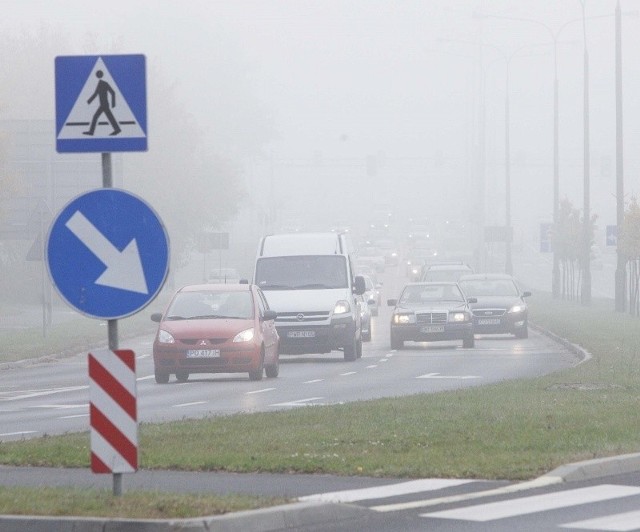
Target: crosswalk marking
(624, 522)
(536, 503)
(388, 490)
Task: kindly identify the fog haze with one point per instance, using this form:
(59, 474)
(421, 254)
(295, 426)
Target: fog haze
(321, 110)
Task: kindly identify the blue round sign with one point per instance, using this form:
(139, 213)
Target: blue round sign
(107, 253)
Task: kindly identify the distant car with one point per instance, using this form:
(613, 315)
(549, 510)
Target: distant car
(365, 316)
(372, 295)
(429, 312)
(224, 276)
(371, 256)
(500, 306)
(445, 271)
(213, 328)
(389, 250)
(417, 260)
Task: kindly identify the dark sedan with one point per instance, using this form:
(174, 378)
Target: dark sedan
(500, 306)
(429, 312)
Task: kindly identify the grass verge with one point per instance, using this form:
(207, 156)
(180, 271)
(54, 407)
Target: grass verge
(513, 430)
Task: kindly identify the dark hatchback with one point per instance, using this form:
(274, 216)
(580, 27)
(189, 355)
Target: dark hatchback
(500, 306)
(430, 312)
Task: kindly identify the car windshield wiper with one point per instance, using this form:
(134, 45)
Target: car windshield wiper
(209, 317)
(175, 318)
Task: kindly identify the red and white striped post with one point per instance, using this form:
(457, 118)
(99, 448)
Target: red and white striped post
(113, 413)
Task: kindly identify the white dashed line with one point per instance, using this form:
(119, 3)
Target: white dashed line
(260, 391)
(190, 404)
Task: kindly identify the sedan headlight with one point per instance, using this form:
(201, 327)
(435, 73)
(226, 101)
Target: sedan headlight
(165, 338)
(244, 336)
(458, 316)
(517, 308)
(342, 307)
(404, 319)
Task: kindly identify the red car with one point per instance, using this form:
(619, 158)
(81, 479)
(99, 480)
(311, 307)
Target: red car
(216, 328)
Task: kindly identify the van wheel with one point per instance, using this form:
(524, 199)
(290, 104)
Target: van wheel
(351, 351)
(182, 376)
(359, 348)
(366, 337)
(523, 333)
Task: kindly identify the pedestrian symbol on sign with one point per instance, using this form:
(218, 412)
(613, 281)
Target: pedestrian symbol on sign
(103, 91)
(85, 119)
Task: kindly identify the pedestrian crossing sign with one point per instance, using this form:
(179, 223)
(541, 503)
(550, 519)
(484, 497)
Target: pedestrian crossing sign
(101, 103)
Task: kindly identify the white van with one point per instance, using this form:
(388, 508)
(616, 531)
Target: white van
(308, 279)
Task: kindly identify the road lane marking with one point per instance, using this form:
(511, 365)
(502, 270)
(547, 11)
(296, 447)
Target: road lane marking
(388, 490)
(438, 376)
(44, 392)
(74, 416)
(61, 407)
(372, 366)
(189, 404)
(348, 373)
(19, 433)
(536, 503)
(312, 381)
(260, 391)
(145, 378)
(299, 402)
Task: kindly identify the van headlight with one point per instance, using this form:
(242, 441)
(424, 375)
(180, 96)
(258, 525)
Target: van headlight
(244, 336)
(165, 338)
(342, 307)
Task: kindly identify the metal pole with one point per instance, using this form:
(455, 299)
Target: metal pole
(621, 270)
(555, 279)
(507, 149)
(112, 325)
(586, 252)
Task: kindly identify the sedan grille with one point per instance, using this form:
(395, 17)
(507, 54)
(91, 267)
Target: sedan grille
(431, 317)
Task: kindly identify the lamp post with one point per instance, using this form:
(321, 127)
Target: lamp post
(586, 226)
(621, 272)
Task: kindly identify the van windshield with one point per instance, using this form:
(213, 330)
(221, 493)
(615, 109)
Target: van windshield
(306, 272)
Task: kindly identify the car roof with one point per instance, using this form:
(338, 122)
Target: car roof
(433, 283)
(449, 266)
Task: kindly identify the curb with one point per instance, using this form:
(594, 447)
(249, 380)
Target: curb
(284, 517)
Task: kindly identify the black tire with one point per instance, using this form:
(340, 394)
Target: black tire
(351, 351)
(256, 374)
(182, 375)
(273, 370)
(374, 311)
(523, 333)
(161, 377)
(366, 337)
(469, 342)
(395, 343)
(359, 348)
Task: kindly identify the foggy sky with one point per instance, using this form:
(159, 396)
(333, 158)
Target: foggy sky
(343, 79)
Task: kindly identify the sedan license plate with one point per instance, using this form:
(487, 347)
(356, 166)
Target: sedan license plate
(488, 321)
(301, 334)
(432, 329)
(203, 353)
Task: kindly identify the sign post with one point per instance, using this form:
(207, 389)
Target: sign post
(101, 106)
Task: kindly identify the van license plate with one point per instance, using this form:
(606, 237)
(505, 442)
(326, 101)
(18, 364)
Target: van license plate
(301, 334)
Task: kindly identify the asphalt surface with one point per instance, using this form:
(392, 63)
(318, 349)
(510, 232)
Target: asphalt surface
(297, 515)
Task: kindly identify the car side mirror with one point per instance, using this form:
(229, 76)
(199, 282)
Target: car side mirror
(472, 300)
(526, 294)
(244, 281)
(269, 315)
(157, 317)
(360, 286)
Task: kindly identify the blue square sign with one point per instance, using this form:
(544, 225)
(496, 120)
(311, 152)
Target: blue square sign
(101, 103)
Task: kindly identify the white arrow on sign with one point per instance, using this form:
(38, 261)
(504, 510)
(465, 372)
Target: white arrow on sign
(124, 268)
